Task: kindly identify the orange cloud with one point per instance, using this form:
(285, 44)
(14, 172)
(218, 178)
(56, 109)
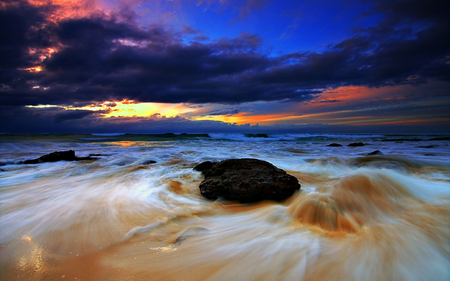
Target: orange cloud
(130, 108)
(349, 94)
(246, 118)
(64, 9)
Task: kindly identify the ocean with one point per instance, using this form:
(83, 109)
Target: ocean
(136, 212)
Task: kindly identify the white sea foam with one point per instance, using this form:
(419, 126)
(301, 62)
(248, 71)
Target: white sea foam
(355, 218)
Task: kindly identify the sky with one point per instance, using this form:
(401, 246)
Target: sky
(229, 66)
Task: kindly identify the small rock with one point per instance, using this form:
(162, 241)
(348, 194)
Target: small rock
(428, 146)
(334, 144)
(247, 180)
(376, 152)
(256, 135)
(353, 144)
(148, 162)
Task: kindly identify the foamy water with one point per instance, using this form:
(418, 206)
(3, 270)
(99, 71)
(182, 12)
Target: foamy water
(356, 217)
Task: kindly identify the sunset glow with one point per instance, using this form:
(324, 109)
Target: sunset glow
(34, 69)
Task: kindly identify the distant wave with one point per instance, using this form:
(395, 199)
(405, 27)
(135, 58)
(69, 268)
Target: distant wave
(110, 134)
(285, 137)
(252, 137)
(96, 139)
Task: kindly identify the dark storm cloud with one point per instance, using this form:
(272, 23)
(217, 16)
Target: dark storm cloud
(19, 31)
(103, 58)
(74, 115)
(401, 10)
(224, 111)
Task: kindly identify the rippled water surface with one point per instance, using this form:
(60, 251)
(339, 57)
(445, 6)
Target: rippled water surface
(356, 217)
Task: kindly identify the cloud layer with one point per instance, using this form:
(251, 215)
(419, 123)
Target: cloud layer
(101, 56)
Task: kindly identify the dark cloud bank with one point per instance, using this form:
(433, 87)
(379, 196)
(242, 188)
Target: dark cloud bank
(112, 58)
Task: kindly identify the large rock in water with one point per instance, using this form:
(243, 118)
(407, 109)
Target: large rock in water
(68, 155)
(247, 180)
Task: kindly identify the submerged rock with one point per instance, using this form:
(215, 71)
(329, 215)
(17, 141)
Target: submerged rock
(376, 152)
(334, 144)
(356, 144)
(68, 155)
(247, 180)
(148, 162)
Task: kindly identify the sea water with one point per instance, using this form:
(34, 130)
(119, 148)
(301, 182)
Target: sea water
(356, 217)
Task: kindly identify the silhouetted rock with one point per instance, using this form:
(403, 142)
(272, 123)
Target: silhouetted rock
(204, 166)
(376, 152)
(256, 135)
(148, 162)
(442, 138)
(353, 144)
(68, 155)
(247, 180)
(334, 144)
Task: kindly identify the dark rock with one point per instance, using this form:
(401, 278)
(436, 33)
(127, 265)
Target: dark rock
(148, 162)
(376, 152)
(247, 180)
(334, 144)
(97, 154)
(68, 155)
(353, 144)
(443, 138)
(204, 166)
(256, 135)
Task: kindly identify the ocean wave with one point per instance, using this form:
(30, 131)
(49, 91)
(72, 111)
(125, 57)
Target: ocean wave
(254, 137)
(96, 139)
(110, 134)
